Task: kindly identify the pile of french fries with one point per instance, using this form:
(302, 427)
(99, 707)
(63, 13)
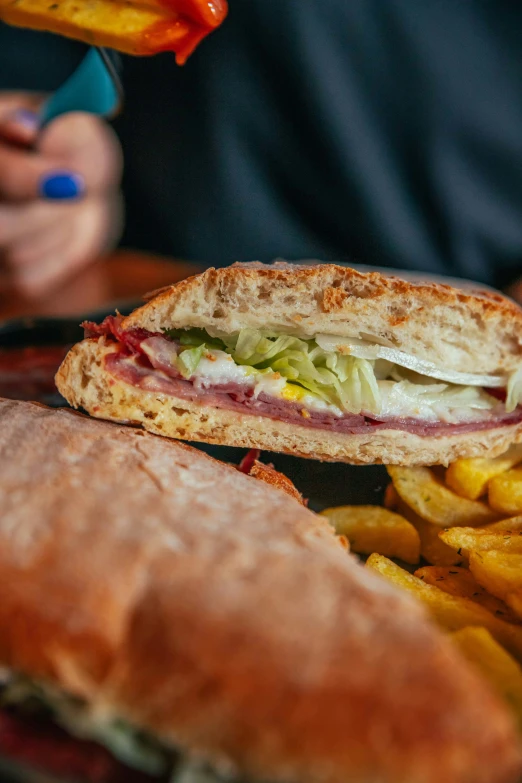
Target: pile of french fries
(462, 529)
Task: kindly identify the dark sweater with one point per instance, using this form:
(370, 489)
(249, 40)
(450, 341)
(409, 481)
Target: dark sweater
(387, 132)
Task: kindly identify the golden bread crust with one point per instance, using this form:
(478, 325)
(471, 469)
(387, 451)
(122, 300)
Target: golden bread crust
(85, 383)
(267, 473)
(462, 330)
(218, 612)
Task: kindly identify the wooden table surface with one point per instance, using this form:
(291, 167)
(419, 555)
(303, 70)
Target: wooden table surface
(122, 276)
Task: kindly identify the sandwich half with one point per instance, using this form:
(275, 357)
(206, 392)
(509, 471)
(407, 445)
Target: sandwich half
(155, 601)
(320, 361)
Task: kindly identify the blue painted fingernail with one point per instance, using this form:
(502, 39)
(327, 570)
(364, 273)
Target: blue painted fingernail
(29, 119)
(62, 186)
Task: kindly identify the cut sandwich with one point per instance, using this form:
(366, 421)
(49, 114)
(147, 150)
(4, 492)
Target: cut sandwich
(139, 27)
(320, 361)
(155, 600)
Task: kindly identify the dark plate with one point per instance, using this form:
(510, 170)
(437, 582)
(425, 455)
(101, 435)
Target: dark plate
(23, 332)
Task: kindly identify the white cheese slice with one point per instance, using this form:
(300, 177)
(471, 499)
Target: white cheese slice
(217, 368)
(361, 349)
(403, 401)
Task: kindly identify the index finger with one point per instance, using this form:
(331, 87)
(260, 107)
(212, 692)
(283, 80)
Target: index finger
(77, 152)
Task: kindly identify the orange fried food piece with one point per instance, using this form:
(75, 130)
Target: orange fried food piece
(139, 27)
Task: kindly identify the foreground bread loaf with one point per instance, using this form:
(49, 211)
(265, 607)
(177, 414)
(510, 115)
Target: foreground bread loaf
(219, 614)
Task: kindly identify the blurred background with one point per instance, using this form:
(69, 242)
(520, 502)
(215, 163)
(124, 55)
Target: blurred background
(384, 132)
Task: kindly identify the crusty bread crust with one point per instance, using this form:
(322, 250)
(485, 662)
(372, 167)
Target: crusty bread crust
(85, 383)
(463, 330)
(205, 606)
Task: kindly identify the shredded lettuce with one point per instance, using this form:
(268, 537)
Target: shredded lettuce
(195, 771)
(514, 390)
(374, 348)
(195, 337)
(351, 383)
(433, 392)
(195, 343)
(189, 359)
(344, 381)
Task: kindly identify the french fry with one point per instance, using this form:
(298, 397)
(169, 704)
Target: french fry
(375, 529)
(433, 550)
(469, 477)
(451, 612)
(130, 26)
(514, 601)
(461, 582)
(505, 492)
(510, 523)
(426, 494)
(497, 665)
(468, 539)
(501, 574)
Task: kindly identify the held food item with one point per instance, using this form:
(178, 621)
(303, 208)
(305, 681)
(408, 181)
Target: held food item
(154, 599)
(140, 27)
(320, 361)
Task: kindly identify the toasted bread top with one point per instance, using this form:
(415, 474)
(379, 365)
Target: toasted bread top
(463, 330)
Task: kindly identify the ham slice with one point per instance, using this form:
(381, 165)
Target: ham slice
(137, 371)
(130, 339)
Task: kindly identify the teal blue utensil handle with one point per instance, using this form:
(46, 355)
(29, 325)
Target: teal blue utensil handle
(94, 88)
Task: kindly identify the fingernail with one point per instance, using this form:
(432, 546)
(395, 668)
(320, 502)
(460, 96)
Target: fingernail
(61, 186)
(29, 119)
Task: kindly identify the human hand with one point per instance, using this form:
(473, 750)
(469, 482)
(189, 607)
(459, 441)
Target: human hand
(60, 206)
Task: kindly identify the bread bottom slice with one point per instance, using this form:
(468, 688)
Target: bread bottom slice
(85, 383)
